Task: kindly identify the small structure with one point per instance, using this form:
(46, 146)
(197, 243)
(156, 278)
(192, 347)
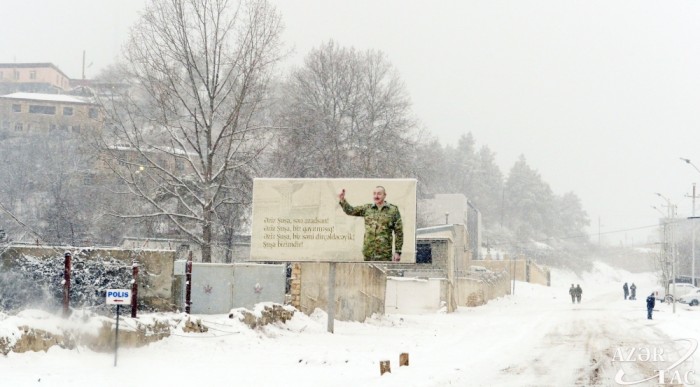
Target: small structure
(440, 280)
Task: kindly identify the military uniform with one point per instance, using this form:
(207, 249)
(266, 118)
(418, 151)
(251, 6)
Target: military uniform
(381, 226)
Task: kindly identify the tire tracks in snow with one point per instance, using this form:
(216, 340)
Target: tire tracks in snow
(580, 348)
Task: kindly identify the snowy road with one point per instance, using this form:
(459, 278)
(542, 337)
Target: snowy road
(534, 338)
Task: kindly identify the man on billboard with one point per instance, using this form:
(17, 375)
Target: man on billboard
(383, 226)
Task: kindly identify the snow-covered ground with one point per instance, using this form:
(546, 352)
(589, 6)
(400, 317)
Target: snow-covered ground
(535, 337)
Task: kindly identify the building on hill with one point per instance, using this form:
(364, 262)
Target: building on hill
(34, 112)
(446, 209)
(32, 78)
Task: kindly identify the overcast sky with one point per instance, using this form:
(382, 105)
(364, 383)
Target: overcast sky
(601, 97)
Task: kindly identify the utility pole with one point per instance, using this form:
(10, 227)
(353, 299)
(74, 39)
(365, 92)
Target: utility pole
(671, 210)
(692, 262)
(674, 252)
(692, 276)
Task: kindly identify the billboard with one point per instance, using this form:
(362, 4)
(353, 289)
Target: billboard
(306, 220)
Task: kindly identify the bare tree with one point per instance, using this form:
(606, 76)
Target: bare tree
(44, 186)
(347, 114)
(192, 121)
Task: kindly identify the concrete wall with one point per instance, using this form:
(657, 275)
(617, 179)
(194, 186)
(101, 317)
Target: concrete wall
(359, 289)
(539, 274)
(525, 270)
(475, 292)
(363, 289)
(413, 295)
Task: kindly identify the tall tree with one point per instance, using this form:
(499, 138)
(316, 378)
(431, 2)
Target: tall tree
(571, 220)
(529, 201)
(460, 166)
(487, 187)
(193, 120)
(347, 114)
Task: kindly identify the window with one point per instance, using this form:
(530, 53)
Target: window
(32, 74)
(92, 113)
(42, 109)
(52, 127)
(0, 74)
(16, 108)
(75, 128)
(424, 253)
(67, 111)
(16, 74)
(18, 126)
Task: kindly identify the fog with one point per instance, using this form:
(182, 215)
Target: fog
(599, 97)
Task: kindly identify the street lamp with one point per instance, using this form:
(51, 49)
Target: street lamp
(671, 215)
(659, 211)
(692, 275)
(687, 161)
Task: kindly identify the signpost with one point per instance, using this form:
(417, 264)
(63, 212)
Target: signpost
(117, 297)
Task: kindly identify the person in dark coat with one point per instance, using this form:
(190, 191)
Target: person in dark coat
(633, 291)
(626, 290)
(579, 292)
(572, 293)
(651, 301)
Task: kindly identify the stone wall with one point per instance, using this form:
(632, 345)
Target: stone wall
(155, 267)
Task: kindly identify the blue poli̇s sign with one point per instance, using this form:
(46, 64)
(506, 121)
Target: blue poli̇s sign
(118, 296)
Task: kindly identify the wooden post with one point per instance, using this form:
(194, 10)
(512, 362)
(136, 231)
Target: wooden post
(66, 283)
(384, 366)
(188, 283)
(331, 296)
(134, 287)
(403, 359)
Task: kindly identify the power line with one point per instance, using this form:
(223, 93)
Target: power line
(590, 234)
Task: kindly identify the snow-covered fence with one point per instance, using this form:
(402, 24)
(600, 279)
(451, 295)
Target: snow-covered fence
(31, 276)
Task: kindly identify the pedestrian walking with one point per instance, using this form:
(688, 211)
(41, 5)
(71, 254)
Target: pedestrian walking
(572, 293)
(626, 289)
(651, 301)
(633, 291)
(579, 292)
